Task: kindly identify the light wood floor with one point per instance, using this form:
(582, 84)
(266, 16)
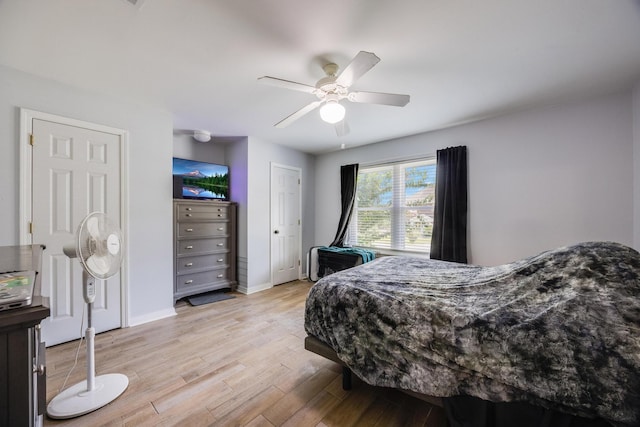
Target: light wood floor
(235, 362)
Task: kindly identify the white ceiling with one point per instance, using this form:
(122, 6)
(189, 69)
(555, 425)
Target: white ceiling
(460, 60)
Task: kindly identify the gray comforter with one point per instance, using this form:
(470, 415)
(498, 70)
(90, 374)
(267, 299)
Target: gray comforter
(560, 329)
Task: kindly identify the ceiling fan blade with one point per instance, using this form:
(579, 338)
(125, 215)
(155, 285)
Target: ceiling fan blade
(363, 62)
(273, 81)
(342, 127)
(379, 98)
(295, 116)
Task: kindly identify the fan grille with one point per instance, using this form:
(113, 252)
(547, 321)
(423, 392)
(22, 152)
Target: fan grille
(99, 246)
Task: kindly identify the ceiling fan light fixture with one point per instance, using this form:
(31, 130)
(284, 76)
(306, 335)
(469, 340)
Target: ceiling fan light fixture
(332, 112)
(202, 135)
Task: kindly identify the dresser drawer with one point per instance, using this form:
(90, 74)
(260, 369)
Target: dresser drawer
(194, 280)
(201, 246)
(202, 262)
(197, 212)
(204, 246)
(202, 229)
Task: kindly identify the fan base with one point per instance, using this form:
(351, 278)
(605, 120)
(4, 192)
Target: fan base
(77, 400)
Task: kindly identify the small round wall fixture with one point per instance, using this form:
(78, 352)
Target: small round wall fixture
(202, 135)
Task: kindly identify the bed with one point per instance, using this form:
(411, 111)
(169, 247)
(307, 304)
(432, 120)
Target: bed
(559, 330)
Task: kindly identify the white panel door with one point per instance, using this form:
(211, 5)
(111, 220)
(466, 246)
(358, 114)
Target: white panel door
(285, 224)
(75, 171)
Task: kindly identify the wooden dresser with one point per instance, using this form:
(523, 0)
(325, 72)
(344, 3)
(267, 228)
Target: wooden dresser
(22, 353)
(204, 235)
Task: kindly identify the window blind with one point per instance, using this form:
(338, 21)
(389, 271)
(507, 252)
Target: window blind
(394, 206)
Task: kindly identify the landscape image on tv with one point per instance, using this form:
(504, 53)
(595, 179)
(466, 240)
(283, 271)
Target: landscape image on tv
(202, 180)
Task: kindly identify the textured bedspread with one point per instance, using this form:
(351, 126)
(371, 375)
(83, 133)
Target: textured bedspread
(560, 329)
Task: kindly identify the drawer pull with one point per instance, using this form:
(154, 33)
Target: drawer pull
(189, 264)
(189, 230)
(188, 282)
(220, 259)
(220, 276)
(188, 209)
(189, 247)
(219, 215)
(221, 244)
(220, 228)
(188, 215)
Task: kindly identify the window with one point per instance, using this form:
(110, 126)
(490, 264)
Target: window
(394, 206)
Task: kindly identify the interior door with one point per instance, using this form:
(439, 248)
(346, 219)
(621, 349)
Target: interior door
(285, 224)
(75, 171)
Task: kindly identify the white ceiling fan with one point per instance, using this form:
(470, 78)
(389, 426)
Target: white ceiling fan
(334, 88)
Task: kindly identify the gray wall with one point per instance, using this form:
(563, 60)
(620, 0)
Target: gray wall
(185, 147)
(149, 235)
(636, 166)
(250, 161)
(537, 179)
(260, 156)
(238, 160)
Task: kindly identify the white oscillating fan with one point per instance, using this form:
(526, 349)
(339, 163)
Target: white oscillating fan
(99, 246)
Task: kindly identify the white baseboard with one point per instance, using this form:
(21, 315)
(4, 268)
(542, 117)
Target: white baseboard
(242, 288)
(150, 317)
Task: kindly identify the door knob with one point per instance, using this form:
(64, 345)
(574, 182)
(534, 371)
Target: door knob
(276, 232)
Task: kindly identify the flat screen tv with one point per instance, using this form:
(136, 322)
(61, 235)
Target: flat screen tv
(200, 180)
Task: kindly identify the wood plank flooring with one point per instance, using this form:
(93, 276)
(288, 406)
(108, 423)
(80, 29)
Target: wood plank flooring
(239, 362)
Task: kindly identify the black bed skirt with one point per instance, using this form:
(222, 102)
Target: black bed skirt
(467, 411)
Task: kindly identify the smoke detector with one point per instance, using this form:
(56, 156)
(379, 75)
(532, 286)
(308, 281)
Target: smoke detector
(202, 135)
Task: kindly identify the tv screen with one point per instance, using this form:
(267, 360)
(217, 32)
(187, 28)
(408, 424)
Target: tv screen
(200, 180)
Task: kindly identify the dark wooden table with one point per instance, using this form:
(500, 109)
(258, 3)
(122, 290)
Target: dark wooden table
(22, 361)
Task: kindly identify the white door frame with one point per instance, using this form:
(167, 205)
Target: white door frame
(26, 173)
(299, 170)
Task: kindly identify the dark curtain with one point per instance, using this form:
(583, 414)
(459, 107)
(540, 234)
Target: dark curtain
(348, 181)
(449, 240)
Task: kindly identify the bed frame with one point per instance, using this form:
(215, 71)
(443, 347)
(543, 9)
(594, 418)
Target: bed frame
(314, 345)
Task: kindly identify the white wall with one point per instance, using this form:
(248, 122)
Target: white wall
(537, 179)
(636, 166)
(150, 231)
(185, 147)
(261, 154)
